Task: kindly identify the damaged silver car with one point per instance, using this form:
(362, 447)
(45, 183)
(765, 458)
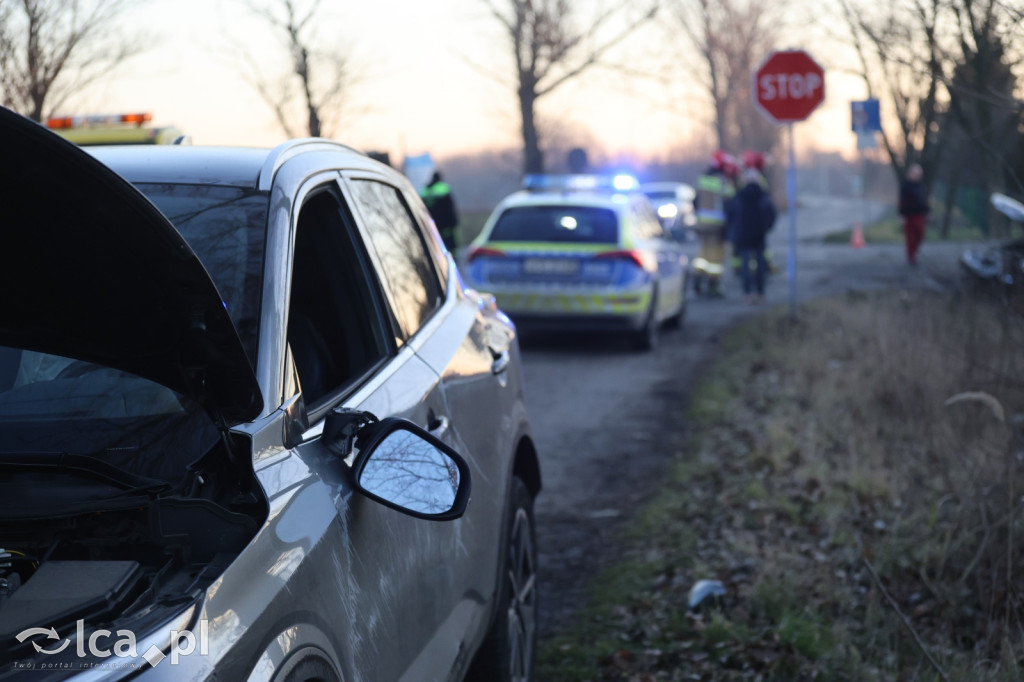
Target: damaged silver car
(252, 424)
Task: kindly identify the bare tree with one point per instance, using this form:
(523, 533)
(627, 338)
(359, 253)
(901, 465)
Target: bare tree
(550, 49)
(729, 39)
(308, 98)
(944, 68)
(982, 115)
(903, 58)
(51, 49)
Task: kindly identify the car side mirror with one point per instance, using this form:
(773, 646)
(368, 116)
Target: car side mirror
(403, 467)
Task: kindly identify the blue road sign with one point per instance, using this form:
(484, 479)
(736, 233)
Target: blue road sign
(865, 116)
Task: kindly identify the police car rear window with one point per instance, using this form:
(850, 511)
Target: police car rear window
(573, 224)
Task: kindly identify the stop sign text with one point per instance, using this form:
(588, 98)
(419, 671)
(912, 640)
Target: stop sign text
(789, 86)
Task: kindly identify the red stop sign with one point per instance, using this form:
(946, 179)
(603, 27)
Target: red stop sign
(789, 86)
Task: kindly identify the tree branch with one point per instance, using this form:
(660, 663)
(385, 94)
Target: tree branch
(596, 54)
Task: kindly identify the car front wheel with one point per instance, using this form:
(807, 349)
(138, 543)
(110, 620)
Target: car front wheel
(508, 652)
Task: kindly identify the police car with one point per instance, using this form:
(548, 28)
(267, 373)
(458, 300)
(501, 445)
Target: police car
(673, 202)
(105, 129)
(581, 252)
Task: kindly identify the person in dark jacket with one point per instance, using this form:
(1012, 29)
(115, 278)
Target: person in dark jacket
(438, 198)
(753, 213)
(914, 209)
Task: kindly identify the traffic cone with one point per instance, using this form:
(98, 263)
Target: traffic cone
(857, 239)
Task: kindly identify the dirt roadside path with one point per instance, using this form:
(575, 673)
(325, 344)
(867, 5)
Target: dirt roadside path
(606, 418)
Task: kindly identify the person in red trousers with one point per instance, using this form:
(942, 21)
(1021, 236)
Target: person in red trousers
(914, 209)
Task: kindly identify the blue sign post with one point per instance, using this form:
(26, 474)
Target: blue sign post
(866, 122)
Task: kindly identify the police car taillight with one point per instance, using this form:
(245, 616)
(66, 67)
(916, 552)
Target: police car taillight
(639, 258)
(97, 120)
(483, 251)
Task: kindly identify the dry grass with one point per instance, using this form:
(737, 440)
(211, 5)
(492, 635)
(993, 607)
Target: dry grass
(825, 450)
(857, 431)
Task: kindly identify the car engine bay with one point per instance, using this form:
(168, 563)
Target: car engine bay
(127, 562)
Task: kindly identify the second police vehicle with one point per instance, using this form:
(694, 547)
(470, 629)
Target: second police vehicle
(582, 252)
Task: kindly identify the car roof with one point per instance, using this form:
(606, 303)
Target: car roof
(232, 166)
(680, 188)
(616, 201)
(245, 167)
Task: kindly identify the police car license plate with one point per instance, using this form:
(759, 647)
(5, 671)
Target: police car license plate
(551, 266)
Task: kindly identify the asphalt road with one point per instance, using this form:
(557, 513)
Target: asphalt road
(607, 420)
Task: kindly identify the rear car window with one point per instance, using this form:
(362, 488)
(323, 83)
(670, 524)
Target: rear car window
(575, 224)
(661, 194)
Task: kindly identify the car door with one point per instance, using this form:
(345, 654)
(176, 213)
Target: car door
(432, 324)
(470, 345)
(394, 572)
(671, 261)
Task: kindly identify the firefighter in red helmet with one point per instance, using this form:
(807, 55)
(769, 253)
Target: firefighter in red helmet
(714, 188)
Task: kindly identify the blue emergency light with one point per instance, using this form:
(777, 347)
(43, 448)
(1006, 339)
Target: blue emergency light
(579, 183)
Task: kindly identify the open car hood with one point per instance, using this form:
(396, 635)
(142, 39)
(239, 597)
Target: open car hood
(91, 270)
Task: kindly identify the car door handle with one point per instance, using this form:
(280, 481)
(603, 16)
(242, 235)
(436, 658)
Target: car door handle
(438, 426)
(501, 362)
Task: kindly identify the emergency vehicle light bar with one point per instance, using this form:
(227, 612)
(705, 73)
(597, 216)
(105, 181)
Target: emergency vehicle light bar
(97, 120)
(579, 183)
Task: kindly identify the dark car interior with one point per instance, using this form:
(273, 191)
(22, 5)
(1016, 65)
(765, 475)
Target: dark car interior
(333, 326)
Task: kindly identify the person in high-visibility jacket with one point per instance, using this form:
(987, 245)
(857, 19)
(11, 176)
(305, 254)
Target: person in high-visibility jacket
(714, 189)
(439, 201)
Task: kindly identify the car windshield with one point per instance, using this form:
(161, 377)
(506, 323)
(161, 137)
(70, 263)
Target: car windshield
(53, 406)
(226, 227)
(577, 224)
(661, 194)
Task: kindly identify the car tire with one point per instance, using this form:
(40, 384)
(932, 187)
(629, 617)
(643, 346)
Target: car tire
(676, 321)
(311, 669)
(508, 652)
(646, 339)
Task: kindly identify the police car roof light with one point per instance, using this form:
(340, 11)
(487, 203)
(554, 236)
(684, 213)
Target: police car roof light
(96, 120)
(579, 183)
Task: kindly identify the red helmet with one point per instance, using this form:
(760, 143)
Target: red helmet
(721, 160)
(752, 159)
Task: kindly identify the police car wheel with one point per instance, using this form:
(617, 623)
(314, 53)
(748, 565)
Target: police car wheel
(676, 321)
(647, 337)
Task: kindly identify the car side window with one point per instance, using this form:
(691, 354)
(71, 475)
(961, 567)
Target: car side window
(434, 245)
(335, 327)
(646, 222)
(411, 284)
(636, 224)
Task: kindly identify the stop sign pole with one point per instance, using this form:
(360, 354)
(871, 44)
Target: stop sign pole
(787, 87)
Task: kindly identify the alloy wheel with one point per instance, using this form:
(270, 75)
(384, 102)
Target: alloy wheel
(522, 607)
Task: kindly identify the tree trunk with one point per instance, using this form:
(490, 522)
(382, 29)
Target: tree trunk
(533, 157)
(37, 109)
